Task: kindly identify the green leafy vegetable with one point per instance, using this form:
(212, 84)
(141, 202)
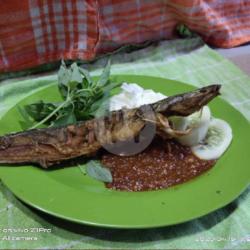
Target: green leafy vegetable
(82, 169)
(76, 75)
(96, 170)
(83, 98)
(40, 110)
(105, 75)
(85, 73)
(26, 122)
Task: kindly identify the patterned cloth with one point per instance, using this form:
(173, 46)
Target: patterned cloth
(227, 228)
(34, 32)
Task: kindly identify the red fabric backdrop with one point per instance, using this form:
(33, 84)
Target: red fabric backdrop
(34, 32)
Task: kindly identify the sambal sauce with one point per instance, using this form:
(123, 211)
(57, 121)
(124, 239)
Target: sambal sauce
(163, 164)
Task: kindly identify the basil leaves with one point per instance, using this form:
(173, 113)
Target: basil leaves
(82, 99)
(96, 170)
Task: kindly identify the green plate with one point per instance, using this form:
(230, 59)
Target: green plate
(68, 194)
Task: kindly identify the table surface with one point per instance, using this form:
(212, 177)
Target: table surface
(185, 60)
(239, 55)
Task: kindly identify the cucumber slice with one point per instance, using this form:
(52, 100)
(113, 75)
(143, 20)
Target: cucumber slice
(216, 142)
(198, 122)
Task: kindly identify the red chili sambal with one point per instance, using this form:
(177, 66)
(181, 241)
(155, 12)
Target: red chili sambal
(163, 164)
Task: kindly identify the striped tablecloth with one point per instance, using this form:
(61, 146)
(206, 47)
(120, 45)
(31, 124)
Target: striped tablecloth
(35, 32)
(186, 60)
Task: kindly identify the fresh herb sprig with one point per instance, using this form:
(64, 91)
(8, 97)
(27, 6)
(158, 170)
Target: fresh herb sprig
(96, 170)
(83, 98)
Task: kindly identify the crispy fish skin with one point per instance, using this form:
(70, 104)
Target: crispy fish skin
(49, 146)
(52, 145)
(187, 103)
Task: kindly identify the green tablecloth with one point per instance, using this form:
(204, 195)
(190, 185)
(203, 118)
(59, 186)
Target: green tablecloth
(228, 228)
